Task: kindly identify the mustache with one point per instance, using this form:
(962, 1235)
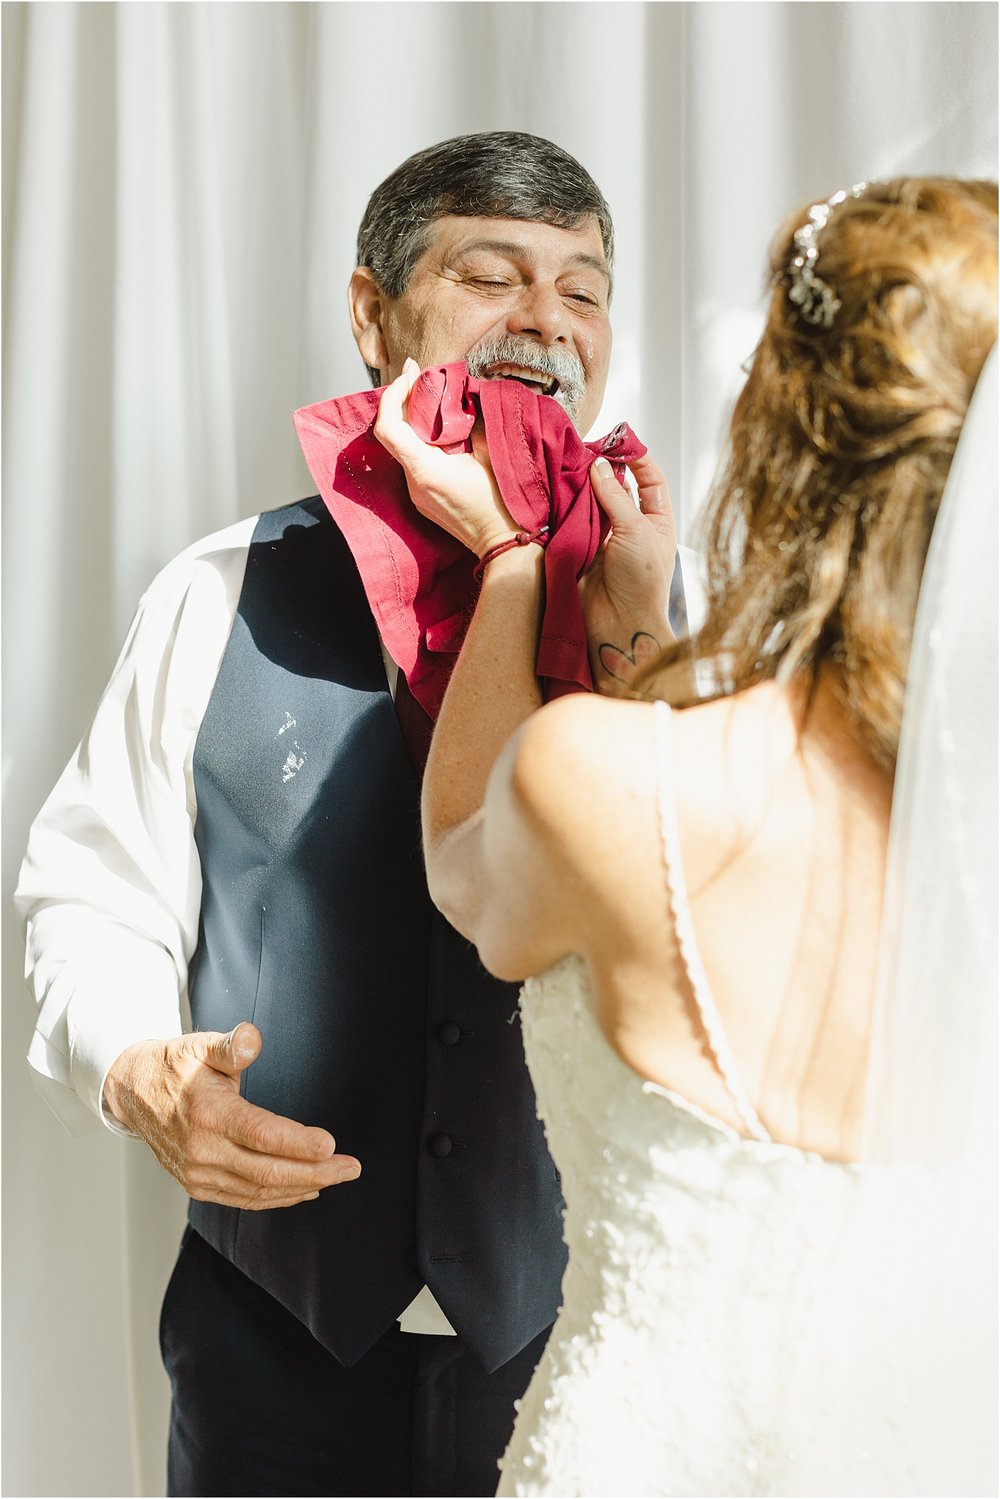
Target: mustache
(509, 348)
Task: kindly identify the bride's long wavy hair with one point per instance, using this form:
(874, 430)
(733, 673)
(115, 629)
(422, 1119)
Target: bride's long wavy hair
(818, 525)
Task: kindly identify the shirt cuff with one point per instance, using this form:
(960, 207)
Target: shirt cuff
(105, 1017)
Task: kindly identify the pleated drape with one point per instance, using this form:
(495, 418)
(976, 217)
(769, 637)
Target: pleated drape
(182, 186)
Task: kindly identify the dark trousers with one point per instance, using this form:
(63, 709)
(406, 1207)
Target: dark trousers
(261, 1408)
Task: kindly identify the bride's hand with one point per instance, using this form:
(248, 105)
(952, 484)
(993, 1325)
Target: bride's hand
(456, 491)
(625, 594)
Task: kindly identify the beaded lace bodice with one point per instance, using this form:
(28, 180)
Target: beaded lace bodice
(699, 1277)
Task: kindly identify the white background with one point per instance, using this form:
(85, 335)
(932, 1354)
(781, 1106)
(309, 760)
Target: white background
(182, 187)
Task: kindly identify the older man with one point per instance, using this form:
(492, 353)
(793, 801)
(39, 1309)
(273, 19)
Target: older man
(240, 825)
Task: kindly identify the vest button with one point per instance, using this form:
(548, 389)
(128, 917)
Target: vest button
(440, 1145)
(449, 1031)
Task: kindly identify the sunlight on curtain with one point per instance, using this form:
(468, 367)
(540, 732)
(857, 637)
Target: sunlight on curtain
(182, 187)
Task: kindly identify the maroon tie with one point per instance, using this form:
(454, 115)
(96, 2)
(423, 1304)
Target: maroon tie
(416, 725)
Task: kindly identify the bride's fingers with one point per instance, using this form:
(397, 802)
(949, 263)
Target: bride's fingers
(391, 426)
(654, 492)
(481, 453)
(615, 500)
(480, 448)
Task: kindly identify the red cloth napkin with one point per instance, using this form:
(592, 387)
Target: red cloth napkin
(417, 578)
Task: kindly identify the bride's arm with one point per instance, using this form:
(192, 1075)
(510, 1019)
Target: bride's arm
(501, 831)
(493, 688)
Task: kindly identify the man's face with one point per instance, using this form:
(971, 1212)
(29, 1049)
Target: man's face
(514, 298)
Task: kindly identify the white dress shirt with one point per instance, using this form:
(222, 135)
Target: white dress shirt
(111, 882)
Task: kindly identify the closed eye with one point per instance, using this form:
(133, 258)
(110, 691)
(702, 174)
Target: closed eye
(584, 301)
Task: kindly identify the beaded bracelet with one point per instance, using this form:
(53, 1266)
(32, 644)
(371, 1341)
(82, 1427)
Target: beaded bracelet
(519, 539)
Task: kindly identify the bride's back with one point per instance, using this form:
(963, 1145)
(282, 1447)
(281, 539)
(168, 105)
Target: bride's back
(815, 542)
(719, 866)
(779, 843)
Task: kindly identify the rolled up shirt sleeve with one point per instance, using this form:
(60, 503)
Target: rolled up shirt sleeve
(110, 887)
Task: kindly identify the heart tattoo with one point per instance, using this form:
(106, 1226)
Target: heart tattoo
(623, 665)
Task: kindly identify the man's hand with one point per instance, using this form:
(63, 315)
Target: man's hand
(183, 1098)
(626, 591)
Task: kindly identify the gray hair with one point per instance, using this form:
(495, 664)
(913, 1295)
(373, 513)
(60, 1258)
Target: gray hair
(501, 174)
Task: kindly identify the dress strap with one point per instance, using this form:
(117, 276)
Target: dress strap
(687, 943)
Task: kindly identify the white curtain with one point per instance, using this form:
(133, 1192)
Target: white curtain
(182, 185)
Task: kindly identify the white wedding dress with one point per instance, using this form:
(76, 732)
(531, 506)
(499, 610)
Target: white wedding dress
(699, 1347)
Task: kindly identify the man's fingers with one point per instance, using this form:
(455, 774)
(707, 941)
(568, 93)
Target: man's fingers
(253, 1204)
(215, 1184)
(236, 1170)
(182, 1097)
(227, 1053)
(247, 1125)
(257, 1129)
(274, 1174)
(218, 1168)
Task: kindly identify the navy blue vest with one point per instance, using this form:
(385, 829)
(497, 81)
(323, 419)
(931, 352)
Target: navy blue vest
(378, 1021)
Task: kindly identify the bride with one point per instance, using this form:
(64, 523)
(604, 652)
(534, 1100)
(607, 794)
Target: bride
(768, 1142)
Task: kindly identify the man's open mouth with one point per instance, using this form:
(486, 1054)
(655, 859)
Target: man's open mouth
(542, 384)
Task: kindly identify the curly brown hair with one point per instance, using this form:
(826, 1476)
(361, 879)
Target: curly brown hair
(818, 526)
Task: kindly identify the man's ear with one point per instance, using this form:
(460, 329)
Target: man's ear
(365, 302)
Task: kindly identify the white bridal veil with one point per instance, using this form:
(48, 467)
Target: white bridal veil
(933, 1081)
(895, 1386)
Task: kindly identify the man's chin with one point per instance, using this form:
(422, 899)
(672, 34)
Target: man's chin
(570, 408)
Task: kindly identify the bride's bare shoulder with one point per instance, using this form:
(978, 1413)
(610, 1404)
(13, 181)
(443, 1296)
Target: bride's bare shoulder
(578, 786)
(736, 742)
(608, 740)
(582, 744)
(585, 769)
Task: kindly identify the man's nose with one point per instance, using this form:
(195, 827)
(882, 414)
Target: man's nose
(539, 311)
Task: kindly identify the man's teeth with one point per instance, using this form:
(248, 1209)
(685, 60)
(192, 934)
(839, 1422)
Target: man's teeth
(546, 383)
